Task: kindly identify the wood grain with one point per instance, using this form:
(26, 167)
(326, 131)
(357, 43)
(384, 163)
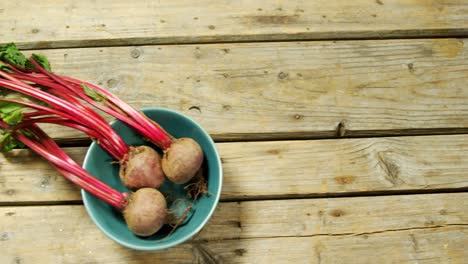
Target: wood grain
(438, 245)
(289, 90)
(350, 216)
(254, 170)
(27, 177)
(53, 23)
(264, 91)
(351, 230)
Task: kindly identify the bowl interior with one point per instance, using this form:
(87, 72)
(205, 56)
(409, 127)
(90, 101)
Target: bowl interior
(99, 164)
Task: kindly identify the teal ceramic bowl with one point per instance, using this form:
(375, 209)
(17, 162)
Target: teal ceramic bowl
(110, 221)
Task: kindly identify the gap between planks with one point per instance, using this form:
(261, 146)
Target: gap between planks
(105, 43)
(346, 234)
(273, 197)
(89, 23)
(340, 133)
(250, 219)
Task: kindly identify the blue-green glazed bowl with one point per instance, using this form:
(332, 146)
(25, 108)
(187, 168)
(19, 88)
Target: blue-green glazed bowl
(99, 164)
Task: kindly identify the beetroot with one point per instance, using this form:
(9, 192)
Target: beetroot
(142, 169)
(146, 211)
(182, 160)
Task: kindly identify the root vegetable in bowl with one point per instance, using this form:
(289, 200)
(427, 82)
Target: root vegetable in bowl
(104, 216)
(186, 148)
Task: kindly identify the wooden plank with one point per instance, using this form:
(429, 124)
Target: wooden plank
(351, 230)
(65, 234)
(349, 166)
(255, 170)
(289, 90)
(52, 23)
(439, 245)
(26, 177)
(350, 216)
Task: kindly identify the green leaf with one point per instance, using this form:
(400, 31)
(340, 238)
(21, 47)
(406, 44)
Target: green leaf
(14, 117)
(41, 60)
(4, 67)
(28, 133)
(43, 103)
(93, 94)
(9, 142)
(10, 53)
(6, 107)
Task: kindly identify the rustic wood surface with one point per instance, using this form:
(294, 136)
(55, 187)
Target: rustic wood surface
(289, 90)
(284, 169)
(416, 227)
(342, 126)
(52, 23)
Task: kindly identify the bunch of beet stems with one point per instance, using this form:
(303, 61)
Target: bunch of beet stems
(144, 211)
(139, 167)
(182, 157)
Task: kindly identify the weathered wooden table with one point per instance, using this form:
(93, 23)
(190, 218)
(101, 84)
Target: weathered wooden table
(342, 125)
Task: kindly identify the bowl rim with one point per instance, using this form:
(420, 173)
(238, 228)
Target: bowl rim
(86, 202)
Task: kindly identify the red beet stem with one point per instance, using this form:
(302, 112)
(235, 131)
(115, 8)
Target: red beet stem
(148, 127)
(65, 87)
(48, 149)
(104, 143)
(53, 148)
(57, 102)
(64, 119)
(109, 104)
(74, 111)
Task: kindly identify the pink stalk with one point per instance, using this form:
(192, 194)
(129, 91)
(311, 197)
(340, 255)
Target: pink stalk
(149, 129)
(106, 145)
(65, 119)
(66, 109)
(114, 106)
(48, 149)
(108, 108)
(182, 157)
(55, 102)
